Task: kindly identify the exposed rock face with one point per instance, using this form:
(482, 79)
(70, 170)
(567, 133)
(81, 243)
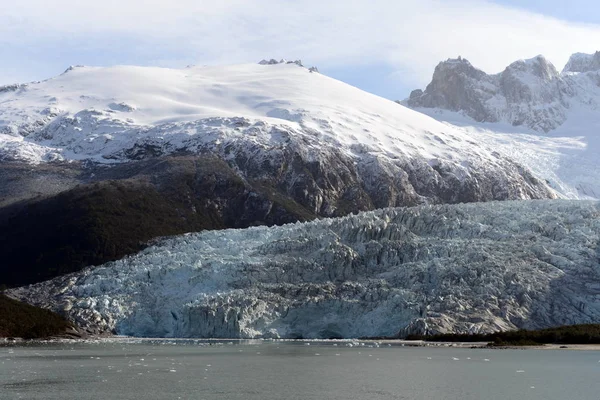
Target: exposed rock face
(325, 178)
(452, 88)
(12, 88)
(273, 61)
(453, 268)
(580, 62)
(529, 93)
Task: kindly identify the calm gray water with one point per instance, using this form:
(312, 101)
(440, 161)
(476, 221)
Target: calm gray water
(272, 370)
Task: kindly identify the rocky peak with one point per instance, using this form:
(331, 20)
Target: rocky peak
(538, 67)
(456, 67)
(72, 67)
(529, 81)
(273, 61)
(581, 62)
(529, 93)
(453, 87)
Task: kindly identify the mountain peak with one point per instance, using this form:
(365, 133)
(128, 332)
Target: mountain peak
(457, 65)
(456, 61)
(446, 89)
(257, 118)
(582, 62)
(273, 61)
(529, 92)
(72, 67)
(537, 66)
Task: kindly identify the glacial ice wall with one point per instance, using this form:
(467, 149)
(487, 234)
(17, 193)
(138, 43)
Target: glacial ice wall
(449, 268)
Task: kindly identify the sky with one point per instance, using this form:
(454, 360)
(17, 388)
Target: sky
(387, 47)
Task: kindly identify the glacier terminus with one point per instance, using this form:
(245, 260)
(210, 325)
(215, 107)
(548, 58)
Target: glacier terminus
(469, 268)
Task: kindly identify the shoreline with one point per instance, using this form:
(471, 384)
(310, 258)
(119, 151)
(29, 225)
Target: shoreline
(5, 342)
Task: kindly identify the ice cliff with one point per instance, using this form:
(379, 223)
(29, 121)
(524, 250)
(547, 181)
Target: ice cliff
(448, 268)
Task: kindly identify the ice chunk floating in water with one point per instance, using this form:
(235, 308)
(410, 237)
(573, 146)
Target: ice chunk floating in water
(462, 268)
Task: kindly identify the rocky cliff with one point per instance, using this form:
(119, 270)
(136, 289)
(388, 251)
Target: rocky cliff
(529, 93)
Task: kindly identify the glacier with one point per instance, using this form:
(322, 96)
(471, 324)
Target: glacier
(478, 267)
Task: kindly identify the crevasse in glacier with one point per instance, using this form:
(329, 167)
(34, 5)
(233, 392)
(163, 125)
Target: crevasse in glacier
(448, 268)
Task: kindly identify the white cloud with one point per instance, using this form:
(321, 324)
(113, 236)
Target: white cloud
(410, 36)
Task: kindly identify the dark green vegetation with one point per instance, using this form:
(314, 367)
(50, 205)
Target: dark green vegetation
(59, 217)
(22, 320)
(121, 208)
(571, 334)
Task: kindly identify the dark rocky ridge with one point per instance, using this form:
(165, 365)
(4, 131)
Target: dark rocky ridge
(116, 211)
(60, 217)
(20, 320)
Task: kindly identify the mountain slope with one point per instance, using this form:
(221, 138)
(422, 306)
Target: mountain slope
(106, 219)
(555, 115)
(325, 142)
(424, 270)
(25, 321)
(77, 112)
(211, 148)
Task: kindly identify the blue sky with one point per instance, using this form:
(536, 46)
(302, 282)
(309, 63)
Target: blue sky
(387, 47)
(587, 11)
(575, 11)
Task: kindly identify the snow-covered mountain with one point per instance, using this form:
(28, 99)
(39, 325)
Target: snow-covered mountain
(529, 93)
(453, 268)
(552, 117)
(325, 142)
(87, 155)
(581, 62)
(122, 152)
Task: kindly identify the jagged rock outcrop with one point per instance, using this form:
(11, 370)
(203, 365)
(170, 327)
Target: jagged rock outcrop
(273, 61)
(529, 93)
(581, 62)
(452, 268)
(452, 88)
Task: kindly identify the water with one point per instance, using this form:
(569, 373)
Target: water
(277, 370)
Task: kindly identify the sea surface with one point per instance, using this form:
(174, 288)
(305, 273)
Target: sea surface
(189, 369)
